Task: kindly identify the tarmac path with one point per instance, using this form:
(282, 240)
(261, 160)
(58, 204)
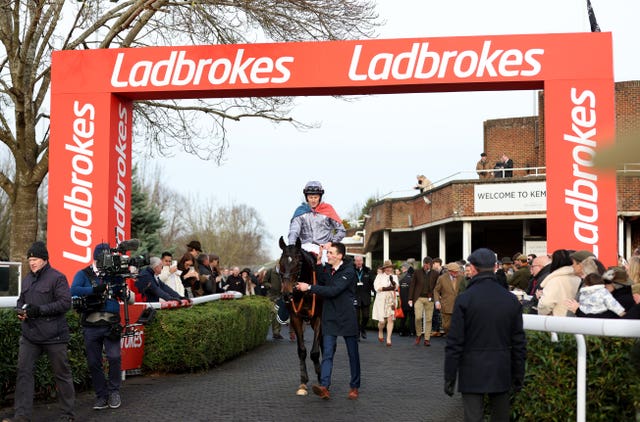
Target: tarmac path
(399, 383)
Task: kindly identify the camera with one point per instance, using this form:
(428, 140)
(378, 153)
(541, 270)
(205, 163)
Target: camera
(90, 303)
(114, 262)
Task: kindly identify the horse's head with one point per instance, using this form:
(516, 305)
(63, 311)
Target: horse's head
(290, 265)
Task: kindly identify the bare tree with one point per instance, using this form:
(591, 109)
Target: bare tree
(31, 29)
(235, 232)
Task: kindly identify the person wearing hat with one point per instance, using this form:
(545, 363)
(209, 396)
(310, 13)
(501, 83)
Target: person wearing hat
(561, 284)
(385, 285)
(314, 222)
(520, 278)
(486, 347)
(483, 168)
(505, 271)
(421, 288)
(41, 307)
(446, 291)
(101, 327)
(149, 284)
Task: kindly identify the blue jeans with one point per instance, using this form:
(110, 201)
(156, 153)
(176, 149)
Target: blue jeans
(95, 338)
(329, 350)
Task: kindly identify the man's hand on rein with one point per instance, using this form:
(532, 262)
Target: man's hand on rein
(303, 287)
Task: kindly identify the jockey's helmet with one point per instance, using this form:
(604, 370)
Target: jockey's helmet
(313, 188)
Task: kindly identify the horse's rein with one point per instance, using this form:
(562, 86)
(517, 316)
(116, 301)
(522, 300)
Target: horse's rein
(313, 297)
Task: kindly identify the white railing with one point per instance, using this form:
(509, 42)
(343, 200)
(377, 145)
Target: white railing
(579, 327)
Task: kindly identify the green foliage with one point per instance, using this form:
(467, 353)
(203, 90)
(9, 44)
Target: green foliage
(613, 386)
(178, 340)
(146, 218)
(205, 335)
(44, 381)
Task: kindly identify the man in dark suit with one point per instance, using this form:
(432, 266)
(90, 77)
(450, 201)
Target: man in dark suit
(149, 284)
(364, 287)
(486, 346)
(337, 285)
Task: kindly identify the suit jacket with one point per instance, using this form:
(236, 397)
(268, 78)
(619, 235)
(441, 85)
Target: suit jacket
(446, 293)
(486, 345)
(153, 289)
(339, 316)
(364, 286)
(418, 279)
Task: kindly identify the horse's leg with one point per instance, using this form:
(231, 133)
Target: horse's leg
(317, 344)
(298, 326)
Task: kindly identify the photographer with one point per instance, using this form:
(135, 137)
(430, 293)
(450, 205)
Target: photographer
(98, 297)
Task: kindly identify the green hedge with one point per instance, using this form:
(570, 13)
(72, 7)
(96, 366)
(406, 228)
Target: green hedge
(44, 383)
(179, 340)
(613, 385)
(205, 335)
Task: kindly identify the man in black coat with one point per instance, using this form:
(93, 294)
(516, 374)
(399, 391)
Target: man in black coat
(42, 305)
(486, 346)
(336, 284)
(364, 287)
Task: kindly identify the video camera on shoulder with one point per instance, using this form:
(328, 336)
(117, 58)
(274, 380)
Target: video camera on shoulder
(115, 262)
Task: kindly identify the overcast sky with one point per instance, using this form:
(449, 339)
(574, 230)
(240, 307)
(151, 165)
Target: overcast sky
(376, 145)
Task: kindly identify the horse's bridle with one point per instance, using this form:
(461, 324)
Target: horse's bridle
(297, 309)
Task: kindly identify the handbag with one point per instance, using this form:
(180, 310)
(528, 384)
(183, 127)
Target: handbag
(398, 313)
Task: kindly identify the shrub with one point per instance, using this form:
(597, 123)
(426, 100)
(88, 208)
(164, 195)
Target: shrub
(205, 335)
(179, 340)
(613, 387)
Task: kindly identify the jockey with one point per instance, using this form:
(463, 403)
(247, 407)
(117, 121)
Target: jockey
(316, 223)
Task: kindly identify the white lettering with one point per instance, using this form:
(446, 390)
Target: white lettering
(178, 70)
(583, 195)
(80, 199)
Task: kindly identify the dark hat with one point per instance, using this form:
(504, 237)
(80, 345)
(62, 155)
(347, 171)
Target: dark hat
(580, 256)
(99, 250)
(482, 258)
(484, 154)
(427, 260)
(506, 260)
(617, 275)
(194, 244)
(38, 250)
(246, 270)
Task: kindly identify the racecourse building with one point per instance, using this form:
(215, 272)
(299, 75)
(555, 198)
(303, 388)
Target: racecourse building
(507, 214)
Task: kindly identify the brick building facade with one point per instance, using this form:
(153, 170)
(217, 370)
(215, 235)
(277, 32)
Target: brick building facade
(443, 221)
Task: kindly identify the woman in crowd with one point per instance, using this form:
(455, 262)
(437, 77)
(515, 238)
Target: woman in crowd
(384, 305)
(559, 286)
(189, 276)
(634, 273)
(595, 300)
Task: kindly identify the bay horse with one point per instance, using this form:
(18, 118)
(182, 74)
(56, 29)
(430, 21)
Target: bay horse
(296, 265)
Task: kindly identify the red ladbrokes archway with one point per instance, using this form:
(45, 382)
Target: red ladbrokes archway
(93, 91)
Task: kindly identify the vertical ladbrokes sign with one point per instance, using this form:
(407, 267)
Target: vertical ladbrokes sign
(93, 92)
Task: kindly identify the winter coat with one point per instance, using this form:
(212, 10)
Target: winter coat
(558, 286)
(486, 344)
(47, 288)
(339, 316)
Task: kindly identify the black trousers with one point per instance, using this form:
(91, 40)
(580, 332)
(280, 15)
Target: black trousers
(363, 317)
(474, 407)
